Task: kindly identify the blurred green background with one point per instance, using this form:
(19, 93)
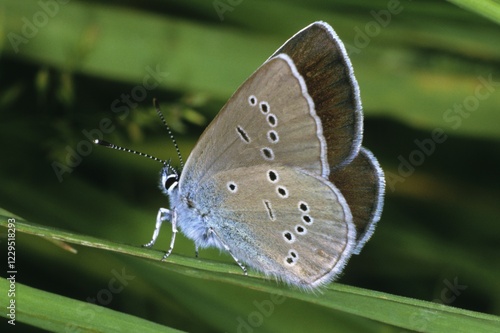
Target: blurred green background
(74, 70)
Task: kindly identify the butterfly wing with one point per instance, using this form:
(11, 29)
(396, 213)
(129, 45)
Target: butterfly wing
(285, 222)
(283, 139)
(270, 119)
(322, 60)
(362, 184)
(354, 170)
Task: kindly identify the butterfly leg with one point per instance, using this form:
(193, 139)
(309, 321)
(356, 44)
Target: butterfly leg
(173, 220)
(211, 230)
(163, 215)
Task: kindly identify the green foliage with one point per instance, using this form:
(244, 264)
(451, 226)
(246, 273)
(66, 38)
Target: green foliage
(385, 308)
(429, 78)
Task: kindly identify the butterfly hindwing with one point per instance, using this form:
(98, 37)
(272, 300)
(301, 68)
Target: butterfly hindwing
(362, 184)
(298, 228)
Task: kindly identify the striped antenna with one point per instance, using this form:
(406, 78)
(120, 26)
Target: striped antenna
(113, 146)
(157, 107)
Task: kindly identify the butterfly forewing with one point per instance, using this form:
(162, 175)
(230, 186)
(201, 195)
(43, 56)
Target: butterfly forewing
(266, 123)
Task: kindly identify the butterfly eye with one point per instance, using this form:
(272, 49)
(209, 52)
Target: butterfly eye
(171, 182)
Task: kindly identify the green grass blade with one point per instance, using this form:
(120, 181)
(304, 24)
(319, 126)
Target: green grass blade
(88, 38)
(487, 8)
(56, 313)
(398, 311)
(422, 66)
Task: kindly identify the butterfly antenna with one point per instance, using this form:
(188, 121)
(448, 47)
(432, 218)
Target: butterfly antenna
(113, 146)
(157, 107)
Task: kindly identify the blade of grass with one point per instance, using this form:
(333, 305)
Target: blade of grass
(420, 65)
(487, 8)
(61, 314)
(394, 310)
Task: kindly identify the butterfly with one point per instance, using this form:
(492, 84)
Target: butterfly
(279, 179)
